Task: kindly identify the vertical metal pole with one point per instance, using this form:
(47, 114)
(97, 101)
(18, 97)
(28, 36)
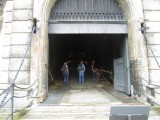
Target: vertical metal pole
(12, 100)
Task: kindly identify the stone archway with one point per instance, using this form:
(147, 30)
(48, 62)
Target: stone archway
(137, 49)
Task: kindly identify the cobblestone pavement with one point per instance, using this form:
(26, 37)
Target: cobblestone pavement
(91, 93)
(91, 101)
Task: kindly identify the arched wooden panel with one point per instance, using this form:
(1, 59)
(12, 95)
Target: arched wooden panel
(86, 10)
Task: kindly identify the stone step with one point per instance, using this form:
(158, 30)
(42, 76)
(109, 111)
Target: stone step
(68, 112)
(74, 113)
(63, 116)
(70, 109)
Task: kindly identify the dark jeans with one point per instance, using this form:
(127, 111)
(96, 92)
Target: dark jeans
(81, 77)
(66, 76)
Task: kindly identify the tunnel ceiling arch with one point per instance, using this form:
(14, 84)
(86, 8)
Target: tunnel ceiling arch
(108, 10)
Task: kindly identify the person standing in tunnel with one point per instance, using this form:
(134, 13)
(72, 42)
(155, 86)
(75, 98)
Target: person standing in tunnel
(93, 70)
(81, 70)
(65, 73)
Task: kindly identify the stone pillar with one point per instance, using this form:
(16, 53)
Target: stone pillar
(43, 60)
(138, 58)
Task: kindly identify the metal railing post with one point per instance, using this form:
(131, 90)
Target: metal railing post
(12, 100)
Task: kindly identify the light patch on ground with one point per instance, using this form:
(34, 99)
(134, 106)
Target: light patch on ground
(75, 91)
(99, 85)
(89, 96)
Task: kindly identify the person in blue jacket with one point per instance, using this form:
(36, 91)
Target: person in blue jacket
(81, 70)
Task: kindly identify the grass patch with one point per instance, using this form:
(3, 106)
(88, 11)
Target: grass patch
(20, 114)
(156, 109)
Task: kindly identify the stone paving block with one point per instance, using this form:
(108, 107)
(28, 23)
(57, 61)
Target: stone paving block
(22, 79)
(22, 26)
(19, 51)
(8, 17)
(20, 38)
(152, 15)
(5, 51)
(20, 4)
(153, 26)
(4, 77)
(9, 6)
(153, 64)
(22, 14)
(153, 38)
(8, 28)
(4, 64)
(6, 39)
(14, 64)
(151, 5)
(155, 76)
(156, 50)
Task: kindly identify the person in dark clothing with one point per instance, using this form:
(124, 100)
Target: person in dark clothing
(81, 70)
(93, 70)
(65, 73)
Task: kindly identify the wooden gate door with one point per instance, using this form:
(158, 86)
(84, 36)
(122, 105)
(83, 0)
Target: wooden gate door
(119, 79)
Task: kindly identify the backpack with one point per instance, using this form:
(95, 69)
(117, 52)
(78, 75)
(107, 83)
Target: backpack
(79, 68)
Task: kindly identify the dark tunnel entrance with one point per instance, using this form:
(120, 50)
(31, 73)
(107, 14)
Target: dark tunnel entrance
(102, 48)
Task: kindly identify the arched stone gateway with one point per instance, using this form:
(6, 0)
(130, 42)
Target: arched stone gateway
(133, 14)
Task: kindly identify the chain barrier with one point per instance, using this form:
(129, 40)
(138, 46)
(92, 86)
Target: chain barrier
(142, 91)
(16, 111)
(26, 87)
(10, 90)
(144, 32)
(27, 94)
(4, 98)
(4, 91)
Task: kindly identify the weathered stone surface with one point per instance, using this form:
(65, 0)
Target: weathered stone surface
(5, 51)
(151, 5)
(19, 51)
(153, 26)
(8, 17)
(156, 50)
(2, 4)
(4, 64)
(20, 38)
(22, 14)
(8, 28)
(154, 76)
(154, 38)
(16, 62)
(6, 39)
(20, 4)
(9, 6)
(22, 26)
(22, 79)
(152, 15)
(153, 64)
(4, 77)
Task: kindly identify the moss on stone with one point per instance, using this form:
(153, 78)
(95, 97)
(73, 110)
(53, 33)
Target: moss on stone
(20, 114)
(156, 109)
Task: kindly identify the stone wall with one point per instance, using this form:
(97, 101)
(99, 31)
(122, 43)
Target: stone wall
(16, 33)
(2, 4)
(152, 18)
